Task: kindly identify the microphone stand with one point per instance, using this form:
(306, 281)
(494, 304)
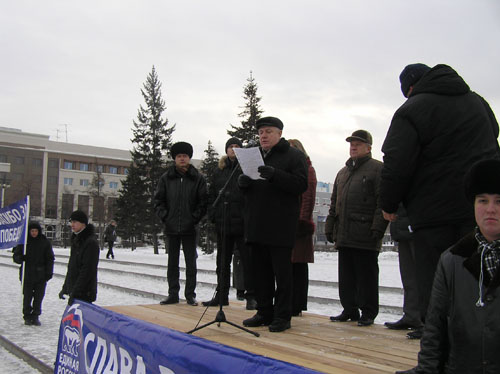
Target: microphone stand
(221, 317)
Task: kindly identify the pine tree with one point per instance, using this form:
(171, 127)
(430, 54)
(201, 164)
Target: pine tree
(247, 131)
(152, 140)
(208, 166)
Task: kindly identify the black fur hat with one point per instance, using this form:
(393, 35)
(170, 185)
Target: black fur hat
(410, 75)
(181, 148)
(269, 121)
(232, 141)
(482, 177)
(79, 216)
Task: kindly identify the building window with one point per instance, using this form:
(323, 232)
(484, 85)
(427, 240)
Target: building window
(16, 176)
(50, 232)
(18, 160)
(53, 163)
(100, 168)
(68, 165)
(51, 180)
(37, 162)
(68, 181)
(125, 171)
(51, 212)
(113, 185)
(113, 170)
(83, 203)
(84, 167)
(3, 158)
(84, 182)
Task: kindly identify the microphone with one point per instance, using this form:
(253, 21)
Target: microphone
(251, 143)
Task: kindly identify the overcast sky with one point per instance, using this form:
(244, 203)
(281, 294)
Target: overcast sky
(326, 68)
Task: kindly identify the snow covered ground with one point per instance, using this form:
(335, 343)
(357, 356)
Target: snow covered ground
(42, 341)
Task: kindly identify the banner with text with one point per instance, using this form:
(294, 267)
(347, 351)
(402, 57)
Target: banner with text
(96, 340)
(12, 223)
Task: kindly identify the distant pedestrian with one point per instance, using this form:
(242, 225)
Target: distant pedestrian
(110, 238)
(81, 276)
(180, 202)
(38, 263)
(303, 249)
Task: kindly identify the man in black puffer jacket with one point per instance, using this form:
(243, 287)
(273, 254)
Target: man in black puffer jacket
(434, 138)
(180, 202)
(81, 277)
(39, 267)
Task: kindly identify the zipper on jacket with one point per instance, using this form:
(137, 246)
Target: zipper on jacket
(180, 206)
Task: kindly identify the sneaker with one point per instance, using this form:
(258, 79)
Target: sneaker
(170, 300)
(257, 320)
(191, 301)
(344, 317)
(279, 325)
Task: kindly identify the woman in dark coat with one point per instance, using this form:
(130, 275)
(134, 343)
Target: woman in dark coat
(462, 327)
(303, 250)
(39, 267)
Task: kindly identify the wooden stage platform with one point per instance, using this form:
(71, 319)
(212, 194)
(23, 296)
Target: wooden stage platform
(313, 341)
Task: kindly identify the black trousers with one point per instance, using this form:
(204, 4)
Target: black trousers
(430, 243)
(273, 285)
(110, 250)
(32, 298)
(358, 281)
(408, 271)
(189, 248)
(300, 281)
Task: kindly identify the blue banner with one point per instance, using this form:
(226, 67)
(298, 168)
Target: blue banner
(12, 223)
(95, 340)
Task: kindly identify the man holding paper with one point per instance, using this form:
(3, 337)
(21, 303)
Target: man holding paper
(271, 212)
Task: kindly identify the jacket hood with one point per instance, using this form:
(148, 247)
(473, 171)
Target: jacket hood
(225, 161)
(441, 80)
(35, 225)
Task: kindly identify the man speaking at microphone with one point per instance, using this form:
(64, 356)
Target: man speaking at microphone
(271, 213)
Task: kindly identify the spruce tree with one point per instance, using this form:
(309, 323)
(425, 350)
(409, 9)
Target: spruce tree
(152, 139)
(208, 166)
(247, 131)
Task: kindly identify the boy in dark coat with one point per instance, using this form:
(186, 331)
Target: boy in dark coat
(38, 269)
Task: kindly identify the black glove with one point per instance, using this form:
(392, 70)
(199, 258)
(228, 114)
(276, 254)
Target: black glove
(244, 181)
(329, 236)
(266, 172)
(61, 295)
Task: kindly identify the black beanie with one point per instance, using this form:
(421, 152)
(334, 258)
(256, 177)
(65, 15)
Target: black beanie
(232, 141)
(410, 75)
(483, 177)
(181, 148)
(79, 216)
(269, 121)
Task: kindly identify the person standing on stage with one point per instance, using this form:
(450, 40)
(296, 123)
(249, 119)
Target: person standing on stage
(110, 237)
(180, 202)
(81, 276)
(271, 214)
(303, 250)
(356, 225)
(38, 263)
(228, 218)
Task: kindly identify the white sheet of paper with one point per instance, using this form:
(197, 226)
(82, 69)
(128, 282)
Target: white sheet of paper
(250, 159)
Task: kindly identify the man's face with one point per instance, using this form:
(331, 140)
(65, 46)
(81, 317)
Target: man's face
(34, 233)
(77, 226)
(359, 149)
(487, 213)
(269, 136)
(182, 160)
(230, 151)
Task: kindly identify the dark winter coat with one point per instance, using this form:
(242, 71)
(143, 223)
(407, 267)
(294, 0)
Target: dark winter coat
(303, 250)
(355, 217)
(110, 233)
(460, 337)
(434, 138)
(39, 259)
(81, 277)
(232, 196)
(181, 200)
(272, 206)
(399, 228)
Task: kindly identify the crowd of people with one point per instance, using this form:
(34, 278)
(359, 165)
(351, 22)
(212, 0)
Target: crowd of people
(442, 138)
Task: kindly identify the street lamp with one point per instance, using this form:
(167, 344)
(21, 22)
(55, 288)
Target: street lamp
(4, 184)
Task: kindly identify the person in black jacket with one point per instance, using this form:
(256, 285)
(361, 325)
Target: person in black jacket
(228, 218)
(434, 138)
(38, 269)
(110, 237)
(272, 206)
(81, 276)
(180, 202)
(462, 329)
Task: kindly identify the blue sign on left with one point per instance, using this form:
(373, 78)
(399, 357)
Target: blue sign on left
(12, 223)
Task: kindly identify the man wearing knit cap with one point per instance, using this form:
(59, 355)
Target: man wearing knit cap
(272, 206)
(462, 329)
(180, 202)
(434, 138)
(81, 277)
(356, 225)
(227, 214)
